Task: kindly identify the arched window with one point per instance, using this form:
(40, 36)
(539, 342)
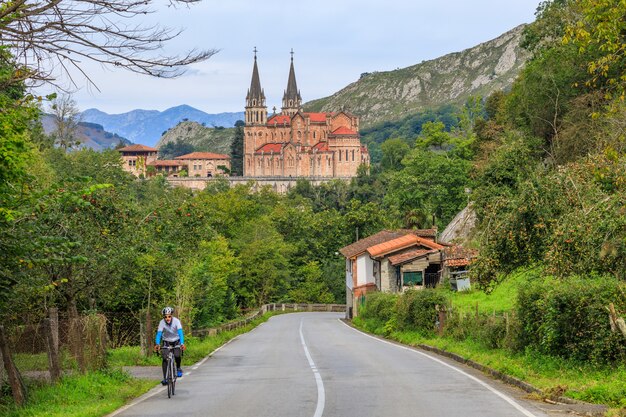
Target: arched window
(353, 154)
(340, 152)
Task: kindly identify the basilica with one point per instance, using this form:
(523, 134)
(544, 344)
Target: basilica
(294, 143)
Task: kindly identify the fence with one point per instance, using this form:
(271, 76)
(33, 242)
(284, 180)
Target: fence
(337, 308)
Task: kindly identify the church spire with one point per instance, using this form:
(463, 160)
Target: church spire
(256, 111)
(292, 100)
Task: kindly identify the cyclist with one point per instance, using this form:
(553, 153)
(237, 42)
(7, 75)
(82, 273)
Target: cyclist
(171, 331)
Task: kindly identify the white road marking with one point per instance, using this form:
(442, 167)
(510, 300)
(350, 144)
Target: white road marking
(321, 396)
(484, 384)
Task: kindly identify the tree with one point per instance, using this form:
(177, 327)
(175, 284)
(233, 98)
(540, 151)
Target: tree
(66, 120)
(236, 150)
(45, 35)
(394, 150)
(171, 150)
(599, 33)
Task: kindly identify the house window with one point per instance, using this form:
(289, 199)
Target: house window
(413, 278)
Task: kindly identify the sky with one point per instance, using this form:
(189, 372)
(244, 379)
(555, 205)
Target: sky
(334, 42)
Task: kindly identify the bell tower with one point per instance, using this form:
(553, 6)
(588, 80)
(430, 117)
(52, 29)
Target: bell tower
(256, 110)
(292, 101)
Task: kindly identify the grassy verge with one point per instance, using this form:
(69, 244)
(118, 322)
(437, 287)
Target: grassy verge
(93, 394)
(99, 393)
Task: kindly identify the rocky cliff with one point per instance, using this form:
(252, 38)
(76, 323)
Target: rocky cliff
(391, 95)
(205, 139)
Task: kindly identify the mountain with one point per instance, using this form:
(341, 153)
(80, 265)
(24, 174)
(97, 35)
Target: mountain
(451, 79)
(204, 139)
(91, 135)
(147, 126)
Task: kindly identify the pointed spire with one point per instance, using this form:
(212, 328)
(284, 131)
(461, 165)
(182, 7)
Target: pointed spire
(255, 91)
(256, 111)
(291, 99)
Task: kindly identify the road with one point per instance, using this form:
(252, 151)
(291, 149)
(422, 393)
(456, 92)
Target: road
(314, 365)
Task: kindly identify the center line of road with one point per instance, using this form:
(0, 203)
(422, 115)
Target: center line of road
(321, 396)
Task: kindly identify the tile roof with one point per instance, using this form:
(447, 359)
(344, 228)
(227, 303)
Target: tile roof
(135, 148)
(410, 255)
(279, 119)
(343, 131)
(270, 147)
(457, 262)
(203, 155)
(320, 147)
(458, 256)
(317, 117)
(401, 243)
(361, 245)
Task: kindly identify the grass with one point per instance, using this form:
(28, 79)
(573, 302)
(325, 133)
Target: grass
(96, 394)
(501, 299)
(92, 394)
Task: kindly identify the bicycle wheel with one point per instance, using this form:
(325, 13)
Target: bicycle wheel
(174, 375)
(169, 376)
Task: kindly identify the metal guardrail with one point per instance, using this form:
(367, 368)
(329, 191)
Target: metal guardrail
(336, 308)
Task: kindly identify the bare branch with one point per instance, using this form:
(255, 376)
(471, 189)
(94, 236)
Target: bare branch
(60, 34)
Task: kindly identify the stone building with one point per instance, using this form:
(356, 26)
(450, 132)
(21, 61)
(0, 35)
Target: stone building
(142, 160)
(294, 143)
(206, 164)
(136, 158)
(391, 261)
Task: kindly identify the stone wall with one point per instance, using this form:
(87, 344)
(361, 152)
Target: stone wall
(279, 184)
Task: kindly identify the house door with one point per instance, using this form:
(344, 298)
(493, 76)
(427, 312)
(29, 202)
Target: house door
(431, 275)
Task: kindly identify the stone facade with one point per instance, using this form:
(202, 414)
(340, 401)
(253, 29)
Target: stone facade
(294, 143)
(206, 164)
(136, 158)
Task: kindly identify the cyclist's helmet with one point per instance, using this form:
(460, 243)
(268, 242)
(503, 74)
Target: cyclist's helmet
(167, 311)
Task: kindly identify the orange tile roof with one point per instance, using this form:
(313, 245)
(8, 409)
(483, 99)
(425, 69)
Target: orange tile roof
(270, 147)
(457, 262)
(392, 245)
(401, 243)
(279, 119)
(410, 255)
(203, 155)
(135, 148)
(317, 117)
(361, 245)
(344, 131)
(166, 163)
(458, 256)
(320, 147)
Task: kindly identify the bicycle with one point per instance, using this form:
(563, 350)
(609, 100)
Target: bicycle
(170, 370)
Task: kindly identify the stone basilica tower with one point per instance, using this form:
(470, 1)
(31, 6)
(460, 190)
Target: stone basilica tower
(256, 110)
(292, 101)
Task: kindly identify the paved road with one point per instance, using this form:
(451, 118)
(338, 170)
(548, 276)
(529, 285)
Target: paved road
(313, 365)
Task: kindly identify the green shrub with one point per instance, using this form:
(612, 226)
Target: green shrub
(490, 330)
(379, 305)
(416, 309)
(569, 318)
